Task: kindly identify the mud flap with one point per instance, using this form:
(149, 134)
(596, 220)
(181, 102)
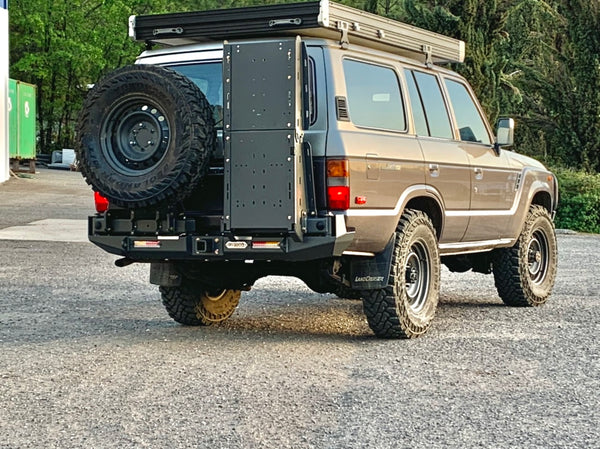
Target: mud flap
(372, 273)
(164, 274)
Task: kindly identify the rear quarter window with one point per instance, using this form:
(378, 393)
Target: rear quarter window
(374, 97)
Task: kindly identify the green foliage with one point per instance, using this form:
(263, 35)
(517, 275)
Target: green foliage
(579, 205)
(62, 46)
(535, 60)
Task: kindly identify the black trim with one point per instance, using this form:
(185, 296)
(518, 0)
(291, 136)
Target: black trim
(228, 23)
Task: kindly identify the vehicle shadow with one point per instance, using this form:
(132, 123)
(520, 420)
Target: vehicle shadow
(315, 317)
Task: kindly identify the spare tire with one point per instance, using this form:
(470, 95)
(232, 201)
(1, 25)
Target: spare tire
(145, 135)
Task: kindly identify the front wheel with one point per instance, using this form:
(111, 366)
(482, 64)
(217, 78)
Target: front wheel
(524, 274)
(192, 304)
(406, 306)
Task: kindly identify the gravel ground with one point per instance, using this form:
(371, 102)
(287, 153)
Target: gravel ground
(89, 358)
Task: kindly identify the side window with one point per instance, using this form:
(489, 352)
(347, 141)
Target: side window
(436, 113)
(312, 92)
(470, 123)
(418, 112)
(374, 98)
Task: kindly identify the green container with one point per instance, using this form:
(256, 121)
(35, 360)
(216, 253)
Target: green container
(13, 131)
(21, 120)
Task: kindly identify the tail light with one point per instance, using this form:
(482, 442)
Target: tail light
(338, 184)
(101, 203)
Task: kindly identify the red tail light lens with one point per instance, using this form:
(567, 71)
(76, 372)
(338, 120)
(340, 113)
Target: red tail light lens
(338, 197)
(338, 184)
(101, 203)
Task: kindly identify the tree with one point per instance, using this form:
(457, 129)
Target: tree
(535, 60)
(62, 46)
(580, 124)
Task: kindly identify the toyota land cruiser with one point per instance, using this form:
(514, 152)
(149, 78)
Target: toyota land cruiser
(310, 140)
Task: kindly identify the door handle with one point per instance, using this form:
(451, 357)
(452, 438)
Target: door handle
(434, 169)
(478, 173)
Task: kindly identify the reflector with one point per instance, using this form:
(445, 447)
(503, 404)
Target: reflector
(146, 244)
(101, 203)
(274, 244)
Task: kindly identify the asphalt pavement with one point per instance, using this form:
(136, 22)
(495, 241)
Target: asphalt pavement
(90, 359)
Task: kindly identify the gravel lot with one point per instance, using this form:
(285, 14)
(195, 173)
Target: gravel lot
(89, 358)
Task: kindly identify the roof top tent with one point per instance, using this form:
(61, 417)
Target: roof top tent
(321, 19)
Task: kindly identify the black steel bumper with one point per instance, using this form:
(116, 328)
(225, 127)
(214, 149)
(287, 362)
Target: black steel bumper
(206, 247)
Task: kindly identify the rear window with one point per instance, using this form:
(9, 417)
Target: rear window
(208, 76)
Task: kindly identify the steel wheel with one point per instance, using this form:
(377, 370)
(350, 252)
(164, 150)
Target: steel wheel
(135, 136)
(406, 306)
(538, 257)
(216, 307)
(145, 135)
(417, 276)
(193, 304)
(524, 274)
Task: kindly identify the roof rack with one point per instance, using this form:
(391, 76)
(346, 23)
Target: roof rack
(321, 19)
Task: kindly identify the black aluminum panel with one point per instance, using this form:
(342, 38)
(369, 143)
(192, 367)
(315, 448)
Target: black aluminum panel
(262, 88)
(231, 23)
(262, 181)
(264, 162)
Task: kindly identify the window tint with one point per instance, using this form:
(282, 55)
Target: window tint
(417, 106)
(470, 124)
(374, 98)
(433, 103)
(209, 78)
(312, 92)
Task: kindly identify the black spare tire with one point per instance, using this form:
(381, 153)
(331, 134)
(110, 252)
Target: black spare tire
(145, 136)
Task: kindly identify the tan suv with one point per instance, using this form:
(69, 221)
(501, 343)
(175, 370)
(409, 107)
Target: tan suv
(311, 140)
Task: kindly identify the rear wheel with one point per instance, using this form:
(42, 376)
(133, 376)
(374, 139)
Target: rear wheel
(193, 304)
(524, 274)
(406, 307)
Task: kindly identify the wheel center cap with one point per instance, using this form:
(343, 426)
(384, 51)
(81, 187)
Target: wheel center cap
(413, 275)
(144, 136)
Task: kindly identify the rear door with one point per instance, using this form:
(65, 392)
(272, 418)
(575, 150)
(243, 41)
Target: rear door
(446, 163)
(492, 182)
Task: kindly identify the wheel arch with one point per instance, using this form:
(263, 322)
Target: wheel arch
(430, 206)
(542, 198)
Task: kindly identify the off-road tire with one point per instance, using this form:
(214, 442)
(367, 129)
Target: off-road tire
(406, 306)
(145, 134)
(343, 292)
(192, 304)
(525, 273)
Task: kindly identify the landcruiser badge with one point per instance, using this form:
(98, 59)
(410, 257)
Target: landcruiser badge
(236, 245)
(368, 279)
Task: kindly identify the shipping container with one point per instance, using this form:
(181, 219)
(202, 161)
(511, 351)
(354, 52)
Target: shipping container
(21, 120)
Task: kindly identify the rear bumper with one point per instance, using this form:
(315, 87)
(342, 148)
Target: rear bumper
(208, 247)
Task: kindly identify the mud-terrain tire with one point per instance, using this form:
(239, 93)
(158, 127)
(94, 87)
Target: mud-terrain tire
(145, 134)
(406, 306)
(343, 292)
(192, 304)
(525, 273)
